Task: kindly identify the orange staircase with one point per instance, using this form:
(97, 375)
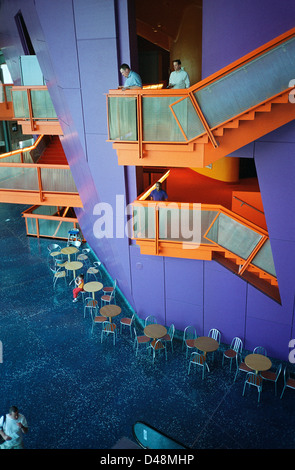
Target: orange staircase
(53, 153)
(196, 127)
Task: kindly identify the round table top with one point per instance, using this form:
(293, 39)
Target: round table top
(73, 265)
(69, 250)
(206, 344)
(110, 310)
(154, 330)
(93, 286)
(258, 362)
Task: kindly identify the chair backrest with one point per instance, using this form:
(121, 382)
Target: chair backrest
(198, 358)
(135, 334)
(215, 334)
(237, 345)
(189, 332)
(97, 263)
(115, 284)
(85, 251)
(278, 371)
(108, 326)
(149, 320)
(254, 379)
(53, 247)
(260, 350)
(171, 331)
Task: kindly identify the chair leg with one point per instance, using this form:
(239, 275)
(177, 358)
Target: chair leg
(283, 391)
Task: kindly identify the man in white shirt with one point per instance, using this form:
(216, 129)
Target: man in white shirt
(179, 78)
(12, 428)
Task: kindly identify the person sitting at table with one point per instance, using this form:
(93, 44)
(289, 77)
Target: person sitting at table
(79, 282)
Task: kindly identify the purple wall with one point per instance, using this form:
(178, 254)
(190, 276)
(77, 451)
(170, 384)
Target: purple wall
(80, 46)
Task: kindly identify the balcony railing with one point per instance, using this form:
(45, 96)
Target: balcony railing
(21, 176)
(50, 221)
(34, 110)
(6, 106)
(150, 118)
(201, 231)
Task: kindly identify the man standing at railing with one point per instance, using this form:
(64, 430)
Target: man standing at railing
(158, 194)
(179, 78)
(133, 80)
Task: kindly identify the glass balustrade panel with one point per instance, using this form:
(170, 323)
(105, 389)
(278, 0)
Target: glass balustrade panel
(159, 124)
(188, 118)
(122, 113)
(60, 180)
(233, 236)
(54, 228)
(31, 226)
(250, 84)
(184, 224)
(20, 104)
(42, 105)
(264, 259)
(144, 222)
(19, 178)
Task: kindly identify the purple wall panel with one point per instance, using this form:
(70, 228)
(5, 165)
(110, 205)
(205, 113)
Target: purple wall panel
(232, 29)
(261, 333)
(95, 17)
(183, 313)
(224, 302)
(147, 284)
(96, 81)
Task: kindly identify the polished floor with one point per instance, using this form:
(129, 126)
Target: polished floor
(79, 393)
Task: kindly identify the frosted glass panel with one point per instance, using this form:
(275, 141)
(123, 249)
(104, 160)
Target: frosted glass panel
(144, 221)
(249, 85)
(20, 104)
(188, 118)
(159, 123)
(122, 118)
(54, 179)
(19, 178)
(233, 236)
(264, 259)
(42, 104)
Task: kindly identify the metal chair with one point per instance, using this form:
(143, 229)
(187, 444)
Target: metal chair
(139, 340)
(90, 304)
(215, 334)
(97, 265)
(107, 299)
(150, 319)
(92, 271)
(127, 322)
(158, 345)
(97, 319)
(253, 380)
(272, 376)
(53, 247)
(108, 289)
(58, 273)
(289, 381)
(108, 328)
(169, 336)
(198, 360)
(234, 351)
(189, 336)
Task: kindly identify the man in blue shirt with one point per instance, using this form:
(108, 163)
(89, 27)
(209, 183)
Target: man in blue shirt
(158, 194)
(133, 80)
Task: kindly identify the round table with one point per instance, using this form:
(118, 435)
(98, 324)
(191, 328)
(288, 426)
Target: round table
(258, 362)
(55, 253)
(206, 344)
(73, 266)
(155, 331)
(92, 287)
(110, 311)
(69, 250)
